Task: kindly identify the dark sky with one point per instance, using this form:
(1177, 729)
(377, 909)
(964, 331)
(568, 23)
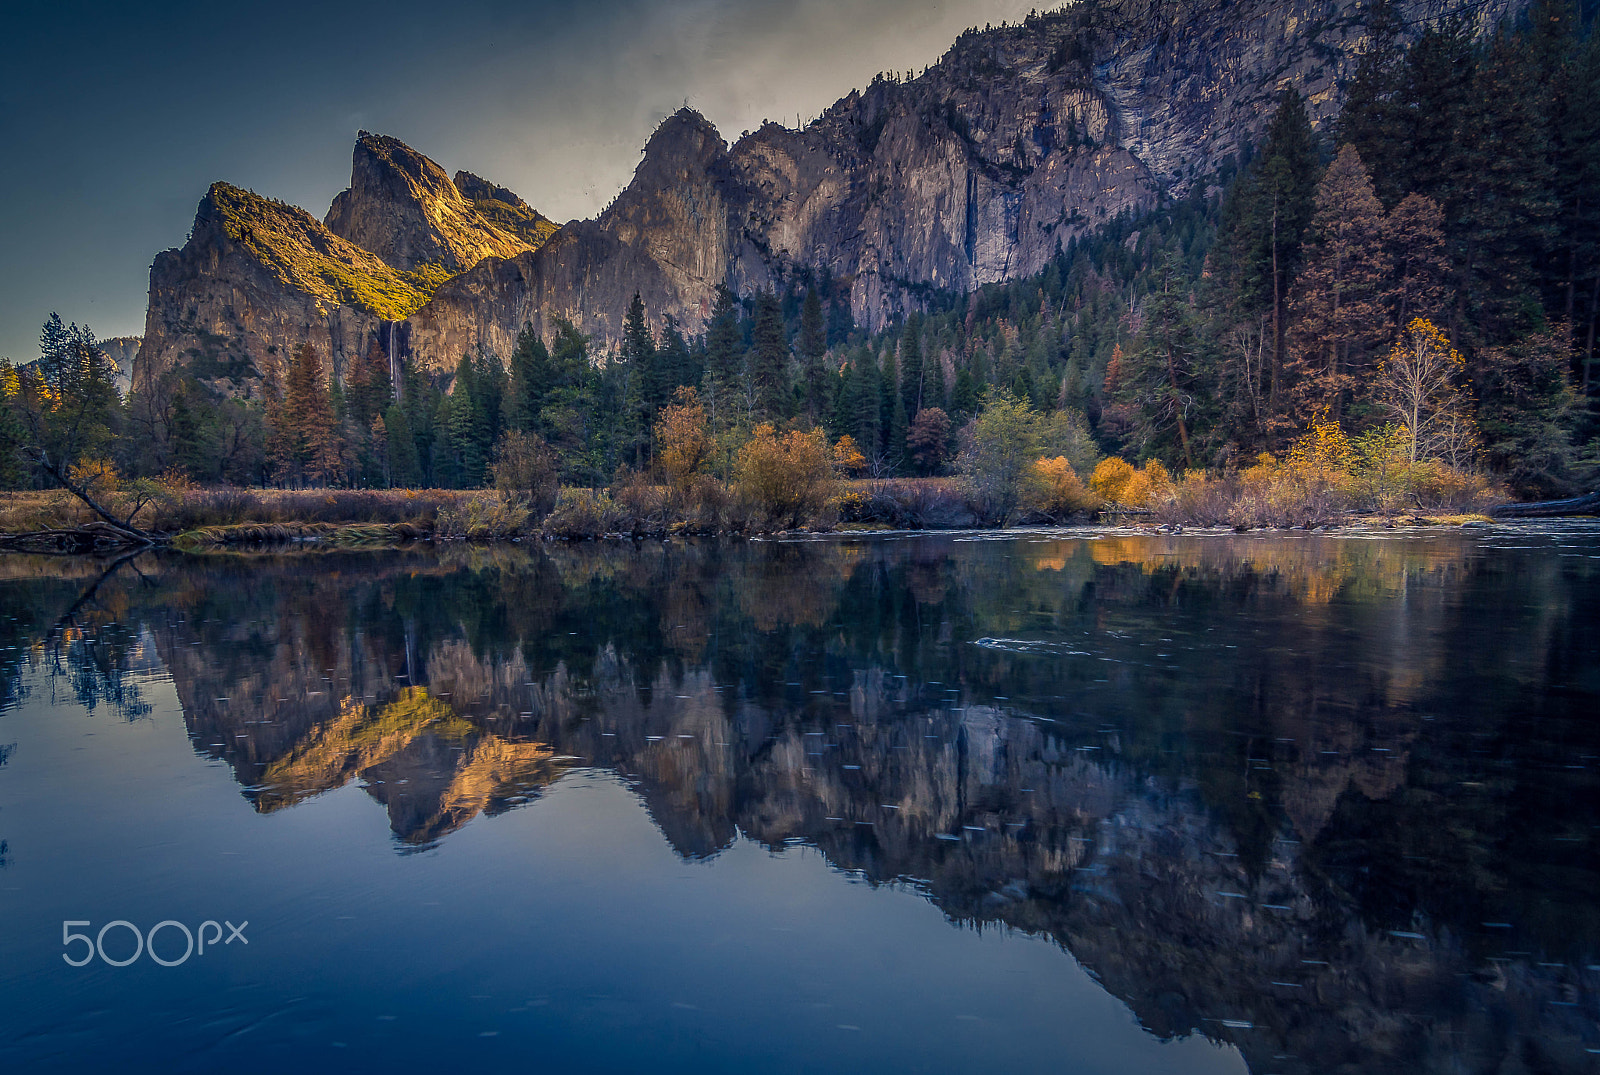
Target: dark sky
(114, 118)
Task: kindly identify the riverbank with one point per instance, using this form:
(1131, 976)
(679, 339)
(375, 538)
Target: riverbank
(197, 519)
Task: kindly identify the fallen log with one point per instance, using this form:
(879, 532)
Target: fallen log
(91, 537)
(1588, 504)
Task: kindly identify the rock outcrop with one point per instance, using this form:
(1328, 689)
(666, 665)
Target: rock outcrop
(256, 279)
(1018, 140)
(404, 208)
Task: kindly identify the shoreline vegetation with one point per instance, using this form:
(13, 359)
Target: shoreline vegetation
(783, 484)
(1016, 466)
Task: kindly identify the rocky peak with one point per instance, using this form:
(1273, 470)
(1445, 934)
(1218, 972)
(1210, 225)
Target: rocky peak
(404, 208)
(505, 210)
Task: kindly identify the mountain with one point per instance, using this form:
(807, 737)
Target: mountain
(258, 277)
(1018, 140)
(404, 208)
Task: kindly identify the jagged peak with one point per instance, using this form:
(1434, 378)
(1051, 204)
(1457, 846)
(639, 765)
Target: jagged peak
(685, 130)
(475, 188)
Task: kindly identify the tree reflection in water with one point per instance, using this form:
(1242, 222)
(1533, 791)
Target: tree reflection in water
(1341, 789)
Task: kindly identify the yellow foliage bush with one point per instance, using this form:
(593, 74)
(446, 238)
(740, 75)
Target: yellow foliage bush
(1110, 477)
(847, 455)
(788, 478)
(1060, 491)
(1117, 482)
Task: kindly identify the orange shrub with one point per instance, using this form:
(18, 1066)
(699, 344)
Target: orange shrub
(1059, 490)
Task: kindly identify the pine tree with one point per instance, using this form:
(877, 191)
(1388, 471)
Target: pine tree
(1263, 222)
(933, 393)
(1577, 129)
(1436, 86)
(405, 472)
(723, 360)
(813, 346)
(1507, 221)
(863, 390)
(1339, 303)
(642, 383)
(894, 419)
(769, 360)
(1414, 239)
(674, 360)
(964, 397)
(911, 365)
(1373, 118)
(1161, 378)
(465, 431)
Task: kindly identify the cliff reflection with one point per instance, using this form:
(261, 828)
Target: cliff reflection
(1332, 799)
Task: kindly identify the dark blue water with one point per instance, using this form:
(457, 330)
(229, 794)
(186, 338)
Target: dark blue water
(1092, 803)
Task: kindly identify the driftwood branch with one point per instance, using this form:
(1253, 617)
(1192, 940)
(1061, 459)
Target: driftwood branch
(1588, 504)
(108, 532)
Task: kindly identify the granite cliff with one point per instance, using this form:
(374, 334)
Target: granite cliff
(1019, 139)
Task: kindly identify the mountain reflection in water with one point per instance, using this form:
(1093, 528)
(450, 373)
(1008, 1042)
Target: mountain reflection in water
(1330, 798)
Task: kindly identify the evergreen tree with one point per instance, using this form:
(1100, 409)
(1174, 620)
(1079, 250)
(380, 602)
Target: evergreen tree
(642, 384)
(675, 361)
(1373, 118)
(1577, 135)
(405, 471)
(1435, 87)
(466, 430)
(964, 397)
(1162, 378)
(1415, 249)
(813, 346)
(933, 392)
(863, 390)
(1263, 222)
(1339, 303)
(893, 417)
(723, 360)
(1507, 216)
(911, 365)
(532, 375)
(769, 360)
(11, 429)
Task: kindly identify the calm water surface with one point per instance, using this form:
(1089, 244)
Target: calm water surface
(1079, 802)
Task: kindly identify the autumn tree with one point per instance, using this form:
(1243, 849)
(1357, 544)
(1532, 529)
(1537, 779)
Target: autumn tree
(524, 469)
(1414, 249)
(1417, 387)
(305, 445)
(928, 438)
(787, 476)
(1339, 302)
(683, 439)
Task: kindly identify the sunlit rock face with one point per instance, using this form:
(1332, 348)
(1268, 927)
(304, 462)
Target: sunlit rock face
(403, 207)
(1018, 140)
